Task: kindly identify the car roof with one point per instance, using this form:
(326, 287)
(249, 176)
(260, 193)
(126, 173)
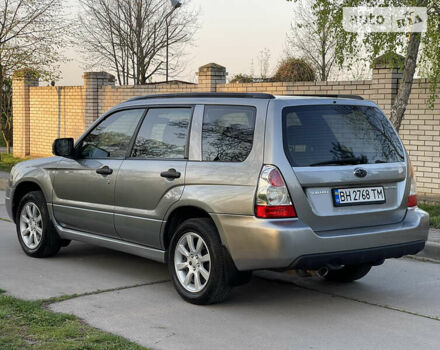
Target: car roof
(255, 95)
(237, 98)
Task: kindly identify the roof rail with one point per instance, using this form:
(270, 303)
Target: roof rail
(205, 95)
(353, 97)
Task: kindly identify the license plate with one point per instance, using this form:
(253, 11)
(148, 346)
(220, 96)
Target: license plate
(355, 196)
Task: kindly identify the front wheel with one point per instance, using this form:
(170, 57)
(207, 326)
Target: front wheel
(197, 264)
(348, 273)
(35, 231)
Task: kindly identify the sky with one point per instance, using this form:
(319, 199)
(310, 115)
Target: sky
(231, 33)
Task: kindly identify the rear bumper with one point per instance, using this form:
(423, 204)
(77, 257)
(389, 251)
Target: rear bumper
(280, 244)
(357, 256)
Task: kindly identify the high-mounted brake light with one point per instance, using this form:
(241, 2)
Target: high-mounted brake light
(412, 199)
(273, 199)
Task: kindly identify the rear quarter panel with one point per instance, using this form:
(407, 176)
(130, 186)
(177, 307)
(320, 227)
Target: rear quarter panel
(226, 187)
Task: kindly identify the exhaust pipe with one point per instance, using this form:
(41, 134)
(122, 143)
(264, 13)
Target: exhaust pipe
(321, 272)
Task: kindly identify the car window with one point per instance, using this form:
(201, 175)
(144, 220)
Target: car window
(228, 133)
(111, 138)
(339, 135)
(163, 134)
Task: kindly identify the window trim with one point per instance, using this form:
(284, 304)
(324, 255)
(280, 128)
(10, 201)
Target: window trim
(129, 153)
(101, 120)
(254, 108)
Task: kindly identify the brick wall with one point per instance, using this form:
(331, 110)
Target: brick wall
(54, 112)
(420, 132)
(42, 114)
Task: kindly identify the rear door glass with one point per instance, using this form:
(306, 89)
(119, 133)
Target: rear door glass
(323, 135)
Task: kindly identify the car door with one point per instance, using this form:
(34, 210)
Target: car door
(153, 176)
(84, 186)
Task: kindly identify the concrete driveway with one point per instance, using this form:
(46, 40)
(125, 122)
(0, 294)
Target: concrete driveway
(396, 306)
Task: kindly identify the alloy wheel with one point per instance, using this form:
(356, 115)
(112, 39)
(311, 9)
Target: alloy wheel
(31, 225)
(192, 262)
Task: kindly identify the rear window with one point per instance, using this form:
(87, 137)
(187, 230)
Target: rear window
(338, 135)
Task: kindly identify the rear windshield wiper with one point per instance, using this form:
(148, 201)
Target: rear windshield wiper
(344, 161)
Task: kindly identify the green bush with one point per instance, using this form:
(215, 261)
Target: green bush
(434, 214)
(241, 79)
(294, 69)
(7, 161)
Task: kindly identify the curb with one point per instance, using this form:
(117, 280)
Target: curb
(431, 251)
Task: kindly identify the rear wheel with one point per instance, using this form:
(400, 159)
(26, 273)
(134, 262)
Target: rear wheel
(65, 242)
(36, 234)
(348, 273)
(197, 264)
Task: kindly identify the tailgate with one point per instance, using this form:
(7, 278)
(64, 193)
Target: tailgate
(348, 165)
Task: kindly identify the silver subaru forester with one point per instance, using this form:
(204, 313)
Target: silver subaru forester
(219, 185)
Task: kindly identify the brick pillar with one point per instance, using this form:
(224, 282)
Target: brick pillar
(22, 80)
(93, 81)
(385, 83)
(210, 75)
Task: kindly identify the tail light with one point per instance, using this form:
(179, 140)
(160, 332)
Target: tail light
(272, 198)
(412, 199)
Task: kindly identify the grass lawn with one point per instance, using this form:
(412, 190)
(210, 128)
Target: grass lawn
(7, 161)
(28, 325)
(434, 214)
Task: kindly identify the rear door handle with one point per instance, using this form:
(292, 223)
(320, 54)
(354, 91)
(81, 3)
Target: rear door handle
(170, 174)
(105, 170)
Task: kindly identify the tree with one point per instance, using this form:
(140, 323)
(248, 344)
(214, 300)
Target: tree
(130, 36)
(31, 35)
(264, 63)
(6, 113)
(294, 69)
(311, 41)
(377, 44)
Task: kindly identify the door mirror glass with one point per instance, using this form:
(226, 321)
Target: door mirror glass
(63, 147)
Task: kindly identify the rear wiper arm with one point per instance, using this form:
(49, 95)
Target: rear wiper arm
(344, 161)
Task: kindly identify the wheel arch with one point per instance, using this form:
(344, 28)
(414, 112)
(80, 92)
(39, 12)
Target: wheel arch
(178, 215)
(21, 190)
(183, 212)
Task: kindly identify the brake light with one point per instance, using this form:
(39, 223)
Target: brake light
(272, 198)
(412, 199)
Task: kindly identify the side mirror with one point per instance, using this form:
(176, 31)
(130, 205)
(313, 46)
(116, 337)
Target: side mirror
(63, 147)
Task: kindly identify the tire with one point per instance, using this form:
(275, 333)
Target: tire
(348, 273)
(39, 238)
(65, 242)
(186, 264)
(240, 278)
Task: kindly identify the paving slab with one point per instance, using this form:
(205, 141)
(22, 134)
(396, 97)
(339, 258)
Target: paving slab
(3, 212)
(434, 235)
(77, 269)
(261, 315)
(432, 247)
(405, 284)
(4, 176)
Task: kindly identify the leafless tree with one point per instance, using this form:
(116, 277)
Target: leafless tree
(308, 40)
(264, 63)
(31, 36)
(129, 36)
